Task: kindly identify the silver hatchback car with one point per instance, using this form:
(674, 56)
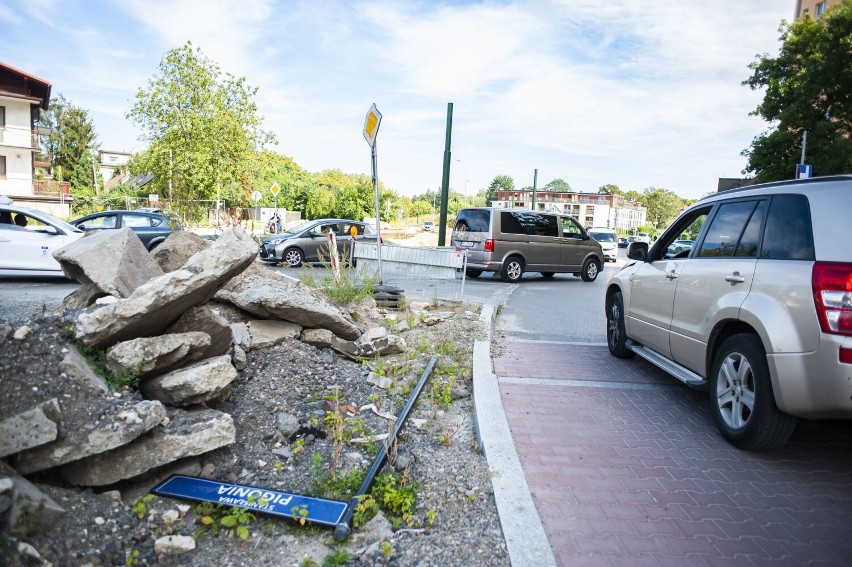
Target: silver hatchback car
(758, 311)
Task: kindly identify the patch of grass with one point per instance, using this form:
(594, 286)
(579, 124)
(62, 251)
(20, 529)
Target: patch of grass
(350, 288)
(339, 557)
(234, 520)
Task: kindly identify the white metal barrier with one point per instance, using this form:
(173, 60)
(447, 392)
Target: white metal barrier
(434, 262)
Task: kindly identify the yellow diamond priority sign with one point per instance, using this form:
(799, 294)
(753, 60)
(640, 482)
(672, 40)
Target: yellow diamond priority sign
(275, 189)
(371, 125)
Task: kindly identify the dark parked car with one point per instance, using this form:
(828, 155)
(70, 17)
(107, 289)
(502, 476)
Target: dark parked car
(623, 242)
(151, 228)
(309, 240)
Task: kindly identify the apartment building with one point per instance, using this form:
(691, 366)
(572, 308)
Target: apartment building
(591, 209)
(815, 8)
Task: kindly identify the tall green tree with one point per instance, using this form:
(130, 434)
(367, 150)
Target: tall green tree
(72, 137)
(808, 88)
(499, 183)
(557, 186)
(202, 125)
(662, 206)
(610, 189)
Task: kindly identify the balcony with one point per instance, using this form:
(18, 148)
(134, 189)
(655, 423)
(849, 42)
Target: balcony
(51, 188)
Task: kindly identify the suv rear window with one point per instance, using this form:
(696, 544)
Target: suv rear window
(473, 220)
(789, 234)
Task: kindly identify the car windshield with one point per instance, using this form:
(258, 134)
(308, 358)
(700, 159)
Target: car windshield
(602, 236)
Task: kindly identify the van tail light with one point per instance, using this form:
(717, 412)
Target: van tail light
(832, 285)
(489, 245)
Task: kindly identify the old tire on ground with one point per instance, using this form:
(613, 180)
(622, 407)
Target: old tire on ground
(591, 269)
(512, 270)
(293, 257)
(741, 397)
(616, 336)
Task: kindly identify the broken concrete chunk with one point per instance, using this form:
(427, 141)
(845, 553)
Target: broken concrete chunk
(125, 425)
(30, 428)
(270, 295)
(188, 433)
(158, 303)
(176, 250)
(31, 512)
(265, 333)
(115, 261)
(200, 382)
(206, 319)
(75, 366)
(149, 356)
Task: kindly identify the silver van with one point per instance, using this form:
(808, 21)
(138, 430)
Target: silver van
(513, 241)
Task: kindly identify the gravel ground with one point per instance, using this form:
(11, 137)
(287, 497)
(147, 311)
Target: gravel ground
(453, 520)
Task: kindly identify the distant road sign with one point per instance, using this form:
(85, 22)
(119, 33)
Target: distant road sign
(275, 189)
(803, 171)
(371, 125)
(256, 196)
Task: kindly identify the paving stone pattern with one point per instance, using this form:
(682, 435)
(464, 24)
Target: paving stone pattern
(626, 467)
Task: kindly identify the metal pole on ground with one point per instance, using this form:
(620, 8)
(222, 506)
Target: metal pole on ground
(342, 529)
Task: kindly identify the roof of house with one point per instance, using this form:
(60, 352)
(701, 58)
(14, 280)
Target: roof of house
(17, 83)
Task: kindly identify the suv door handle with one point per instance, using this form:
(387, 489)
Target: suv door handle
(735, 278)
(671, 275)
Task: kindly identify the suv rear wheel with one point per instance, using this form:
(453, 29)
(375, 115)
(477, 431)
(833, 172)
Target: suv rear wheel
(512, 270)
(741, 397)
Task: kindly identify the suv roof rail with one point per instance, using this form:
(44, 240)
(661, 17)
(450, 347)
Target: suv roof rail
(812, 180)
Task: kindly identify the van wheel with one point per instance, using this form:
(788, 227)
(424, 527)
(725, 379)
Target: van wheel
(473, 273)
(590, 270)
(512, 270)
(741, 397)
(548, 274)
(616, 334)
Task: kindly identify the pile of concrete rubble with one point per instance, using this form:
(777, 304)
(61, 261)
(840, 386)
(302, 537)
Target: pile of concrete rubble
(180, 320)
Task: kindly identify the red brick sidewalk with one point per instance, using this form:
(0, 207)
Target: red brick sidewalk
(626, 468)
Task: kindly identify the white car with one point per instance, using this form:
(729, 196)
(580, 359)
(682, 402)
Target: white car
(26, 248)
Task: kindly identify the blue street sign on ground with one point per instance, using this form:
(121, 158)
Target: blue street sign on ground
(263, 500)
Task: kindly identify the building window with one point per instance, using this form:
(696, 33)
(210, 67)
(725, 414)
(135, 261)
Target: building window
(2, 165)
(820, 9)
(2, 116)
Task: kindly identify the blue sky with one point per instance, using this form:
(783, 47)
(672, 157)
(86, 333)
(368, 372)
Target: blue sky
(638, 93)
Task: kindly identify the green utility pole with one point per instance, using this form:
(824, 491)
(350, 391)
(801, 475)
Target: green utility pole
(535, 187)
(445, 184)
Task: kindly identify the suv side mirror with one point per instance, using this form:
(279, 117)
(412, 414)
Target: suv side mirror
(637, 251)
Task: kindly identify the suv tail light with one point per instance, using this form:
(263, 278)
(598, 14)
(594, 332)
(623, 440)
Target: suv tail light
(489, 245)
(832, 285)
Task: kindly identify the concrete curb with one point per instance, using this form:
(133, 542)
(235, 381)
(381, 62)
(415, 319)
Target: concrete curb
(522, 528)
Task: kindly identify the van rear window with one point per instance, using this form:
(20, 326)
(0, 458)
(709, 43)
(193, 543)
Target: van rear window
(473, 220)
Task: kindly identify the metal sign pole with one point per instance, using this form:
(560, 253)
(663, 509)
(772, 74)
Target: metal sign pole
(371, 129)
(378, 218)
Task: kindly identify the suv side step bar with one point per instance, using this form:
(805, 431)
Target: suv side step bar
(683, 374)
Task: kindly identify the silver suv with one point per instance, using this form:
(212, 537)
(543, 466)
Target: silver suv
(758, 311)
